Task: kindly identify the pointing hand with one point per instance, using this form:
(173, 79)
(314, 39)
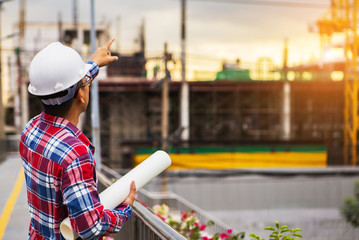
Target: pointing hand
(102, 56)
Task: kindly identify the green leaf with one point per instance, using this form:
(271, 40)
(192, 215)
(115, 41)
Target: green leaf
(210, 223)
(277, 224)
(284, 226)
(253, 235)
(216, 236)
(297, 235)
(269, 228)
(241, 235)
(285, 230)
(297, 229)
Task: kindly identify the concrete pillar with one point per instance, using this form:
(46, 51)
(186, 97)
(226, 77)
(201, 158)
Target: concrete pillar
(286, 111)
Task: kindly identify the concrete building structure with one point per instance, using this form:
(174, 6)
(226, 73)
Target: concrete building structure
(227, 114)
(278, 113)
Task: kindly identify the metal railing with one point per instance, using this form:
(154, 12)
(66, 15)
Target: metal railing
(143, 224)
(176, 204)
(251, 199)
(3, 149)
(12, 143)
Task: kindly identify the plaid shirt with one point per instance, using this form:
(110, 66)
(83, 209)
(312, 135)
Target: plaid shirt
(61, 181)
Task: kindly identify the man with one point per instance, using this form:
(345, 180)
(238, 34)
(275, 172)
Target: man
(58, 161)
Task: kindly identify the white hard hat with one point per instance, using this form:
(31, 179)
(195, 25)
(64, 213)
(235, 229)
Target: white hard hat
(54, 69)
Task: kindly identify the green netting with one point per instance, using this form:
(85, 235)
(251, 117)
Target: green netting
(233, 75)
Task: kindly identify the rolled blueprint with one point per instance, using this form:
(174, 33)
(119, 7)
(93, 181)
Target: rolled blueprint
(115, 194)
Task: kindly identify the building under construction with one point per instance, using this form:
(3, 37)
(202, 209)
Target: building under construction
(281, 123)
(298, 122)
(310, 121)
(225, 116)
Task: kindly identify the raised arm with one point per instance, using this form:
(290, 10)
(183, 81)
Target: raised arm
(102, 55)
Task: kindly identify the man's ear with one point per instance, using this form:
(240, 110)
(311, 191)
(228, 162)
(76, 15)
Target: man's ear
(80, 95)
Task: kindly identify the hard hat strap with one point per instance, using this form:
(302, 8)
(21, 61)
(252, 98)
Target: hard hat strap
(59, 100)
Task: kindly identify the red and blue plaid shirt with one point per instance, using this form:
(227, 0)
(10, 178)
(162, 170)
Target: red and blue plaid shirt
(60, 174)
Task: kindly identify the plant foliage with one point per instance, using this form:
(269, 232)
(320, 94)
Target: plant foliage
(189, 225)
(350, 208)
(280, 233)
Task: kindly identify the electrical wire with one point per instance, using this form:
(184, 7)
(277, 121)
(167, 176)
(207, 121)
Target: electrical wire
(269, 3)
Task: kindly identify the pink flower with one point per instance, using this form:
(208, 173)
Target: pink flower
(184, 215)
(202, 227)
(205, 238)
(191, 231)
(229, 231)
(159, 215)
(224, 235)
(196, 224)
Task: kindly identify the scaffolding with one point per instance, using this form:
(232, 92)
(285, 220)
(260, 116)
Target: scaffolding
(222, 113)
(342, 18)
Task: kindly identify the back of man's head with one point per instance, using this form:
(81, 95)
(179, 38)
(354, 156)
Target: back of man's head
(54, 73)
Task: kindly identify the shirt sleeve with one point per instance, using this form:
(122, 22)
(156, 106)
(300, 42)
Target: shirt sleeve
(87, 215)
(94, 69)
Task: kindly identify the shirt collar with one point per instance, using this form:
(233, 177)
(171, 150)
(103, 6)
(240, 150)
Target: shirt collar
(66, 124)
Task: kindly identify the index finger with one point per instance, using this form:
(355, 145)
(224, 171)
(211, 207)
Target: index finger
(108, 44)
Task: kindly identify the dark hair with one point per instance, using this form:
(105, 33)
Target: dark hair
(62, 109)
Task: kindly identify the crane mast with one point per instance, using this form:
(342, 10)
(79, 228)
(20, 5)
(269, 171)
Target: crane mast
(342, 18)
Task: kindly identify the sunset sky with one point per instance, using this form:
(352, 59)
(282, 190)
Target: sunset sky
(216, 30)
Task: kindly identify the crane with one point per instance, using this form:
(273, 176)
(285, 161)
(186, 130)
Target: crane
(342, 18)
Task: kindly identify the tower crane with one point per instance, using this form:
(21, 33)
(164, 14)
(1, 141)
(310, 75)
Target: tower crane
(342, 18)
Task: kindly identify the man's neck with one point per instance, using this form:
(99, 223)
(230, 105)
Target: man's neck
(73, 117)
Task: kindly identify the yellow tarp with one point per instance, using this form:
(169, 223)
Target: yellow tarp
(244, 160)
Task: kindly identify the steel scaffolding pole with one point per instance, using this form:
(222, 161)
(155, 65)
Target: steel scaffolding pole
(2, 115)
(184, 116)
(23, 84)
(347, 90)
(165, 103)
(355, 86)
(350, 140)
(95, 112)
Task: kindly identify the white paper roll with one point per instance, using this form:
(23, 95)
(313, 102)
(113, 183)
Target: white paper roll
(115, 194)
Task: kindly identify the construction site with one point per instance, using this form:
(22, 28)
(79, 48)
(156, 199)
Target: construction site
(245, 107)
(279, 142)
